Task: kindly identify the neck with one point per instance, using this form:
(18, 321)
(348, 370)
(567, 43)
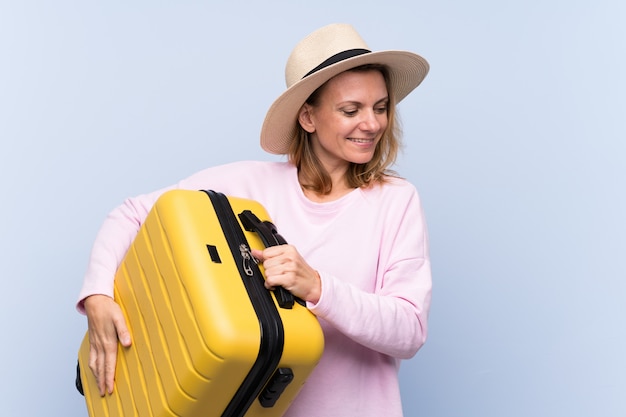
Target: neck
(339, 188)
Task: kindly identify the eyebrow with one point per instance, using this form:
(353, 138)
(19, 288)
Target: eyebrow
(385, 99)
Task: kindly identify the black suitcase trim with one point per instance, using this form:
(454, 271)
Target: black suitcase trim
(270, 323)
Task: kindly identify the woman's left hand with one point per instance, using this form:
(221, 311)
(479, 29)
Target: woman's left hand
(285, 267)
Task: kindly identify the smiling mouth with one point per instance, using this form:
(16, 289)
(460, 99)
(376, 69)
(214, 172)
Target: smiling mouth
(356, 140)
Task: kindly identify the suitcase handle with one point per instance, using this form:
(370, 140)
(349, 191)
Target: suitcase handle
(270, 237)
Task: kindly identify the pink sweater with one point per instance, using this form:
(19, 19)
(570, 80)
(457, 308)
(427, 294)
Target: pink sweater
(371, 250)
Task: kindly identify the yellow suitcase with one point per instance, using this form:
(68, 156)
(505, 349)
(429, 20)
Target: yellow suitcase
(208, 338)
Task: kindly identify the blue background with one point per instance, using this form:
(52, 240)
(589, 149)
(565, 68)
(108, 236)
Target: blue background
(516, 141)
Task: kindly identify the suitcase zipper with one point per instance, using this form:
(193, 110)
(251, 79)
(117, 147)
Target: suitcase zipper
(270, 323)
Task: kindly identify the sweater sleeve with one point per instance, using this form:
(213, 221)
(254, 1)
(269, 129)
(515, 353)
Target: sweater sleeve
(393, 318)
(111, 244)
(120, 227)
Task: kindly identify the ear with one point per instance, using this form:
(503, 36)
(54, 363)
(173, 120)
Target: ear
(304, 118)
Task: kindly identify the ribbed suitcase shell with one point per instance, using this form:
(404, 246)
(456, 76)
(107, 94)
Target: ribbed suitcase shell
(196, 333)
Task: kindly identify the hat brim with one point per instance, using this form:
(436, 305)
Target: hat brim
(406, 71)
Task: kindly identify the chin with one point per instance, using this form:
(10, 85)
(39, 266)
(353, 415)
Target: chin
(361, 160)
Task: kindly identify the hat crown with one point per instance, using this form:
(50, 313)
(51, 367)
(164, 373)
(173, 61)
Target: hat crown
(320, 46)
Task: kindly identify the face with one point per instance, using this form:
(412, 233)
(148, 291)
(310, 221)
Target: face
(348, 118)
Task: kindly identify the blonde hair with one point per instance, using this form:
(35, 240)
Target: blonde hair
(312, 174)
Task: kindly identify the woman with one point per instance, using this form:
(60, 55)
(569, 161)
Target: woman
(358, 252)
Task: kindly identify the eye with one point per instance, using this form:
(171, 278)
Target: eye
(381, 109)
(350, 112)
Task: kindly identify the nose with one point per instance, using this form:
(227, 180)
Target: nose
(371, 122)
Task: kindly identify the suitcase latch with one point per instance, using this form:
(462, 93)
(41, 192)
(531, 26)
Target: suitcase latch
(275, 387)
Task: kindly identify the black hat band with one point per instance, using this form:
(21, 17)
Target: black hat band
(350, 53)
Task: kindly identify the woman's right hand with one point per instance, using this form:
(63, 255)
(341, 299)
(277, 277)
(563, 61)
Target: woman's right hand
(107, 326)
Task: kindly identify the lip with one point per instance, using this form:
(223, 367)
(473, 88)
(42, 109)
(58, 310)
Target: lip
(360, 141)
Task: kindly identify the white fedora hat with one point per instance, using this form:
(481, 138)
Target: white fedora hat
(319, 57)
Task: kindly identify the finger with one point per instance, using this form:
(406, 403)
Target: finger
(277, 278)
(123, 334)
(110, 360)
(277, 257)
(96, 364)
(258, 255)
(274, 251)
